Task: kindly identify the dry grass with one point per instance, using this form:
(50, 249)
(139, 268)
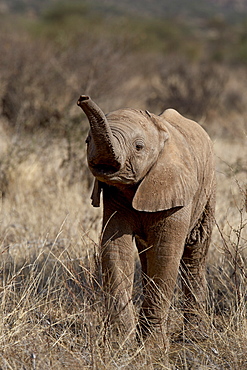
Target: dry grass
(51, 300)
(51, 310)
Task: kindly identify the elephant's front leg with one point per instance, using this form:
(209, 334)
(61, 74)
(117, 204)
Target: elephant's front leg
(166, 240)
(118, 262)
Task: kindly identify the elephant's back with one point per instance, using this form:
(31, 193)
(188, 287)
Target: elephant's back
(190, 135)
(187, 127)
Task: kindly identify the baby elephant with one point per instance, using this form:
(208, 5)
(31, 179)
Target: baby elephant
(158, 182)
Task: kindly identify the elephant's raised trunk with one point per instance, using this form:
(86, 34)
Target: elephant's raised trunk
(94, 114)
(106, 150)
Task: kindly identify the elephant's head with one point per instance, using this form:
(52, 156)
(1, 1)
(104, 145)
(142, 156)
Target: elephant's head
(124, 148)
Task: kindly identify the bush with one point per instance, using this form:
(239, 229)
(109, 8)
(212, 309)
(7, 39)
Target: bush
(194, 90)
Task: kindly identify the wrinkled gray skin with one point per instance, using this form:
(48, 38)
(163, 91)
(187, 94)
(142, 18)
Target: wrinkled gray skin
(158, 183)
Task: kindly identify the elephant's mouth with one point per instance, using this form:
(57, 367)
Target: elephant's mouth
(105, 169)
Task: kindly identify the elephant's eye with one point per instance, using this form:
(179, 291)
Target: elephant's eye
(139, 145)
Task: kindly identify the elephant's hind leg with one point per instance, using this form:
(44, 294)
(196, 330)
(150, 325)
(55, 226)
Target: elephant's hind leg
(193, 268)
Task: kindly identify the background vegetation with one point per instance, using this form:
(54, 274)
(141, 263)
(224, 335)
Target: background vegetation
(165, 55)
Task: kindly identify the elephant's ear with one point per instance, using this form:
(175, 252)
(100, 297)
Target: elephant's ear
(172, 181)
(96, 193)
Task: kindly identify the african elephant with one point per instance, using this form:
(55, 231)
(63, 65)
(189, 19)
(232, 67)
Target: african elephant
(158, 182)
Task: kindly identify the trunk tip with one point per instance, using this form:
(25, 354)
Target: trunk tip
(82, 99)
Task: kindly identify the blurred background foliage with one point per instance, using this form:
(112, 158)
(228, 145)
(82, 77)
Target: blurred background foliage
(81, 44)
(145, 54)
(216, 30)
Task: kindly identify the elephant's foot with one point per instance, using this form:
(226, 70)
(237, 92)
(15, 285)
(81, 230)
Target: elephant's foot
(117, 336)
(122, 333)
(120, 317)
(154, 339)
(156, 345)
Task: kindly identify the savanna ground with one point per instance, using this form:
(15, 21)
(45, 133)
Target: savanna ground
(51, 310)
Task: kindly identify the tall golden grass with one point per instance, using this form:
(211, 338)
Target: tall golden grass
(51, 310)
